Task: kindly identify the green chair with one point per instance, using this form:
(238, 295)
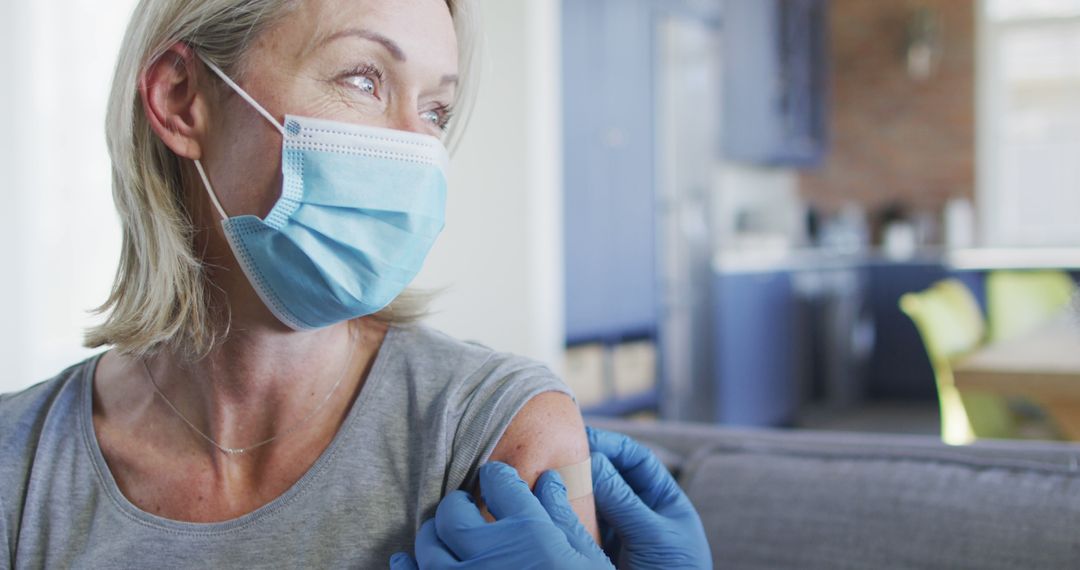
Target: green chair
(1019, 301)
(951, 325)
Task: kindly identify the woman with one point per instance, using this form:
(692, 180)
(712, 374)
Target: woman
(279, 170)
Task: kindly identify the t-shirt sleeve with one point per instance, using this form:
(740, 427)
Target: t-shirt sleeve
(6, 560)
(487, 404)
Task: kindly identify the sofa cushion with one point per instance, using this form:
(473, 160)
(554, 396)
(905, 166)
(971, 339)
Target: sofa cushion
(683, 440)
(778, 505)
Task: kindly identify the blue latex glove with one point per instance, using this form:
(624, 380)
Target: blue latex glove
(538, 531)
(655, 524)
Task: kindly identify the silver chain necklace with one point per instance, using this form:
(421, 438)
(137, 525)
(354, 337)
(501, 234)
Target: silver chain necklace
(242, 450)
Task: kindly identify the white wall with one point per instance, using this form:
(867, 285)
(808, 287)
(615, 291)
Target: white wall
(501, 253)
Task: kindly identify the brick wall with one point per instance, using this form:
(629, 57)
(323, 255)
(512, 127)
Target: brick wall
(896, 139)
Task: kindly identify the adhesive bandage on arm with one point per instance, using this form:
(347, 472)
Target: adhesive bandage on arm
(578, 479)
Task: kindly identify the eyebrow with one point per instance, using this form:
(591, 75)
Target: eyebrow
(389, 44)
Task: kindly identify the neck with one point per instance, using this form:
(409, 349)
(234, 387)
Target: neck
(262, 379)
(261, 383)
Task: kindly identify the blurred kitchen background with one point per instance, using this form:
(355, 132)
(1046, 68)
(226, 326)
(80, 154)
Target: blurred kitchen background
(700, 210)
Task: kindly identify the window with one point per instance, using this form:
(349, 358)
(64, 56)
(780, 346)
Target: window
(1019, 10)
(1029, 122)
(60, 228)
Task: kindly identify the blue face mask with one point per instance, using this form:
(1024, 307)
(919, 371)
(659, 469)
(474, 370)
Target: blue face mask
(360, 208)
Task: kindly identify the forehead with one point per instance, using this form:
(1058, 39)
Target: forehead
(422, 29)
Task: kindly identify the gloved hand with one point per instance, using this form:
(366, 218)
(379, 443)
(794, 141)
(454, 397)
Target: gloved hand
(538, 531)
(655, 524)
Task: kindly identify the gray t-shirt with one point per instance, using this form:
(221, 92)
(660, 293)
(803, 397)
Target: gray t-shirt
(430, 412)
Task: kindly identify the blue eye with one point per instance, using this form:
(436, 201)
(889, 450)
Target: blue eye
(439, 116)
(366, 78)
(365, 84)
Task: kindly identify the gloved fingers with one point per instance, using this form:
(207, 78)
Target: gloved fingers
(609, 540)
(506, 494)
(551, 491)
(462, 528)
(616, 502)
(637, 464)
(402, 561)
(431, 553)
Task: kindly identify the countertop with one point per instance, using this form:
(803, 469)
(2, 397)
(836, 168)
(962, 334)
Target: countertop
(767, 260)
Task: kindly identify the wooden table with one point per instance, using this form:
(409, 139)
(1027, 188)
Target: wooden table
(1043, 366)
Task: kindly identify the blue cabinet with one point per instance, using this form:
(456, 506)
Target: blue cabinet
(609, 169)
(776, 81)
(756, 349)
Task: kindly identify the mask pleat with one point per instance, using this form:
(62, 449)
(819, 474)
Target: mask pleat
(378, 184)
(354, 260)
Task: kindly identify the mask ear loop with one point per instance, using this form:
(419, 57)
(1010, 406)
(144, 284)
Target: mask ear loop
(209, 190)
(244, 94)
(251, 101)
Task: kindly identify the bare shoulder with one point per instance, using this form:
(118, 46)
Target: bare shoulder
(548, 433)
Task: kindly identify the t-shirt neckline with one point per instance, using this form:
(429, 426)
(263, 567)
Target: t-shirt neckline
(367, 391)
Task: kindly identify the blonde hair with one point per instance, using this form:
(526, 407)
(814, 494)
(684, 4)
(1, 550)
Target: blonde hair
(161, 296)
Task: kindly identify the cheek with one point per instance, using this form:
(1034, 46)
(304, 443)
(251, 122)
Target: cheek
(248, 159)
(340, 106)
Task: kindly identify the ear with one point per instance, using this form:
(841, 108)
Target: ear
(172, 101)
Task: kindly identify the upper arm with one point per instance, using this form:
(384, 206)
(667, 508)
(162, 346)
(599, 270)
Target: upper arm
(548, 433)
(5, 541)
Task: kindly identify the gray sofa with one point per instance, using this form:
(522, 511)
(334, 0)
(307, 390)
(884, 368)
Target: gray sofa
(793, 499)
